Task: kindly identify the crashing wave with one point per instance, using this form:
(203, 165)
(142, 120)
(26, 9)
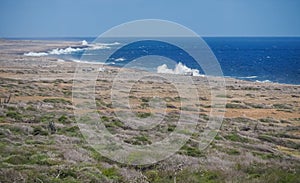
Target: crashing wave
(179, 69)
(70, 50)
(36, 54)
(84, 43)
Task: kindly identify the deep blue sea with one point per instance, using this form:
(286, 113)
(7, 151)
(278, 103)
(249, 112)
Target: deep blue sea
(259, 59)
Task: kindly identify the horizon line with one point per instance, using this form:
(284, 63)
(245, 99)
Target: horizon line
(205, 36)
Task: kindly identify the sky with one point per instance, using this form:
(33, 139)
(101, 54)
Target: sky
(90, 18)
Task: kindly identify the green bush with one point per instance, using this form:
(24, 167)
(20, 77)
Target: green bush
(143, 115)
(31, 108)
(72, 131)
(57, 100)
(191, 151)
(104, 118)
(236, 106)
(266, 156)
(17, 159)
(266, 138)
(40, 159)
(152, 175)
(258, 172)
(282, 106)
(38, 130)
(68, 173)
(64, 119)
(206, 176)
(112, 173)
(233, 152)
(145, 100)
(237, 138)
(13, 114)
(114, 123)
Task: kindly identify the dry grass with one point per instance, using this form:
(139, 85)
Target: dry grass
(259, 143)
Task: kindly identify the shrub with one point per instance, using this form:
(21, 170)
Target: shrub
(143, 115)
(17, 160)
(39, 159)
(266, 155)
(13, 114)
(145, 100)
(236, 106)
(233, 152)
(63, 119)
(191, 151)
(258, 172)
(31, 108)
(67, 173)
(38, 130)
(139, 140)
(266, 138)
(2, 118)
(224, 96)
(57, 100)
(282, 106)
(199, 176)
(112, 173)
(72, 131)
(237, 138)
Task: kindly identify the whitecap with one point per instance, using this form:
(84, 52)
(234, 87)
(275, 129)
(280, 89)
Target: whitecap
(120, 59)
(248, 77)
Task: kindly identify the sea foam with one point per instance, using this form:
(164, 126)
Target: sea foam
(179, 69)
(36, 54)
(70, 50)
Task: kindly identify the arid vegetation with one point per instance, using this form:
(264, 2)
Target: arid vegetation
(259, 140)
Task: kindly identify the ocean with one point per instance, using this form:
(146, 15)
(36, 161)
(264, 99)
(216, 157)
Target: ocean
(257, 59)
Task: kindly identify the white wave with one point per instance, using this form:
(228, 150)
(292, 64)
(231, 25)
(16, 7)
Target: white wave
(109, 44)
(58, 51)
(120, 59)
(248, 77)
(264, 81)
(36, 54)
(109, 63)
(97, 47)
(179, 69)
(60, 60)
(84, 43)
(87, 62)
(69, 50)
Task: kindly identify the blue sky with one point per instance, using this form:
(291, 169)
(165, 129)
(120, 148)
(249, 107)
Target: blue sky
(60, 18)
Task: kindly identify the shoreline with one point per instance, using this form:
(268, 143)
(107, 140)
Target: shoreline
(44, 46)
(72, 46)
